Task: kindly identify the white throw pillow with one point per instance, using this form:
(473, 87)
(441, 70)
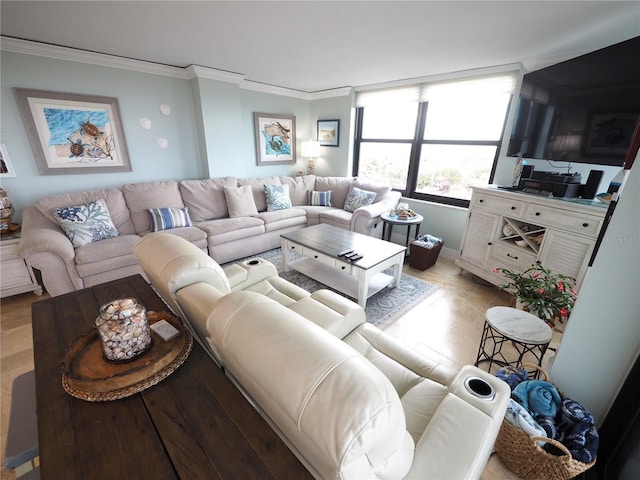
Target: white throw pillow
(240, 201)
(87, 223)
(277, 197)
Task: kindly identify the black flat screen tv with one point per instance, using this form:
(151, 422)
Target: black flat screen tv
(583, 110)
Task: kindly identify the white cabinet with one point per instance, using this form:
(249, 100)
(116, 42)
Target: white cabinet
(515, 230)
(15, 275)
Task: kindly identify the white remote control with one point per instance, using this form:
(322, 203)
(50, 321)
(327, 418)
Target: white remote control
(165, 330)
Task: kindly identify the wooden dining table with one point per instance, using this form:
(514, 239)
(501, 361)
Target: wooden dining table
(194, 424)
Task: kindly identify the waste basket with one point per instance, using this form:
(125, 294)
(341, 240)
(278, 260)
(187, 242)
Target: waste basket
(424, 251)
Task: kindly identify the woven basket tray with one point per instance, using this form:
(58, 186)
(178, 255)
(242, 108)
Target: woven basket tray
(88, 376)
(522, 455)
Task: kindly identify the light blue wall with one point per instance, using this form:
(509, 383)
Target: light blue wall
(139, 95)
(333, 160)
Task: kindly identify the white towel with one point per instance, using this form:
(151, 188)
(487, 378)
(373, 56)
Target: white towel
(519, 417)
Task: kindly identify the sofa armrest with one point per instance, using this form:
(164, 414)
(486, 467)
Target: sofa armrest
(461, 434)
(245, 274)
(39, 234)
(365, 218)
(45, 247)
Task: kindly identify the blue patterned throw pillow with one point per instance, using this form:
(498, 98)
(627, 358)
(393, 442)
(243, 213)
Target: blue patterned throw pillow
(358, 198)
(320, 199)
(277, 197)
(167, 218)
(85, 224)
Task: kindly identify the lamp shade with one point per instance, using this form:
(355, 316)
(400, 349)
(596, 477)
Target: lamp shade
(310, 149)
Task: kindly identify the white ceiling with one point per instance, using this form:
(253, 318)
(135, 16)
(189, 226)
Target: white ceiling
(319, 45)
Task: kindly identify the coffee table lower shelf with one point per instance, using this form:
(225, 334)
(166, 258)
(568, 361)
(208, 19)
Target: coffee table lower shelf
(340, 281)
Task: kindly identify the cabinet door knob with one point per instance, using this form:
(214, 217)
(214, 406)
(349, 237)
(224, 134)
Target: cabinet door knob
(480, 201)
(293, 248)
(489, 243)
(315, 256)
(343, 267)
(513, 208)
(537, 214)
(585, 225)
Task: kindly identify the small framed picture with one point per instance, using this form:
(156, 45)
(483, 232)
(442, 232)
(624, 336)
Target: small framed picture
(329, 133)
(6, 167)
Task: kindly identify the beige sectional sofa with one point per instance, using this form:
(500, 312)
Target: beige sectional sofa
(223, 235)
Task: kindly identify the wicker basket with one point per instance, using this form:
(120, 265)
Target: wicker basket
(422, 257)
(524, 456)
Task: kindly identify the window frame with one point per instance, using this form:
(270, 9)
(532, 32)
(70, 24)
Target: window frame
(416, 149)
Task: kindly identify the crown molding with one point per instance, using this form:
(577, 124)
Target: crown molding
(71, 54)
(197, 71)
(29, 47)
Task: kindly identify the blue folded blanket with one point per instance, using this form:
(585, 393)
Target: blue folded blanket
(577, 431)
(539, 397)
(512, 375)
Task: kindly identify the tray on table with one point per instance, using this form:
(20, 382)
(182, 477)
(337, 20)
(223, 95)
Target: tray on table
(88, 376)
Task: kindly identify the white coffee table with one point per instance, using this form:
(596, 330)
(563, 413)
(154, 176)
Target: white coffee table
(318, 247)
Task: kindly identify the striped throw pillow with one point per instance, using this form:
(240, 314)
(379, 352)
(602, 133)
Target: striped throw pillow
(167, 218)
(320, 199)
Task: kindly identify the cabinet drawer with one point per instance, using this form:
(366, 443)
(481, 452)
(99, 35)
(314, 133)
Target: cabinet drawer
(516, 257)
(318, 257)
(570, 221)
(343, 266)
(14, 273)
(504, 206)
(8, 252)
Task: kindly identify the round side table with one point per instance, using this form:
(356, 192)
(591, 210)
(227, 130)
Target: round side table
(390, 220)
(529, 336)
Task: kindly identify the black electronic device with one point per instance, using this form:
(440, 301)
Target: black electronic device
(556, 177)
(582, 110)
(549, 189)
(345, 252)
(590, 188)
(527, 170)
(355, 257)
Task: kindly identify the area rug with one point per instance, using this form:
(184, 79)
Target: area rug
(383, 308)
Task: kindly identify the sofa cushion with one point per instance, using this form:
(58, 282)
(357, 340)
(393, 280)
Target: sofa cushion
(338, 185)
(145, 195)
(226, 230)
(113, 198)
(283, 219)
(299, 188)
(277, 197)
(336, 217)
(106, 255)
(168, 218)
(320, 199)
(205, 198)
(358, 198)
(240, 201)
(87, 223)
(257, 187)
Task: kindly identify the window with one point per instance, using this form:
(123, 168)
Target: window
(433, 141)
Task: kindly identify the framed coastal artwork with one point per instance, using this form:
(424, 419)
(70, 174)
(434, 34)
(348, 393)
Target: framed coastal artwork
(329, 133)
(73, 134)
(6, 167)
(275, 137)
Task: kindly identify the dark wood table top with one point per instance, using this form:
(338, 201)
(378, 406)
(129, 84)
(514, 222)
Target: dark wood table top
(332, 240)
(194, 424)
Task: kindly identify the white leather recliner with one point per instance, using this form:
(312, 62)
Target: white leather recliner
(349, 400)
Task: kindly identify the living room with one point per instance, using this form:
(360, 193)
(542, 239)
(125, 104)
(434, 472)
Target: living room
(210, 133)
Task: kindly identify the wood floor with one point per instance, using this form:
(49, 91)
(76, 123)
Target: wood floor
(448, 325)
